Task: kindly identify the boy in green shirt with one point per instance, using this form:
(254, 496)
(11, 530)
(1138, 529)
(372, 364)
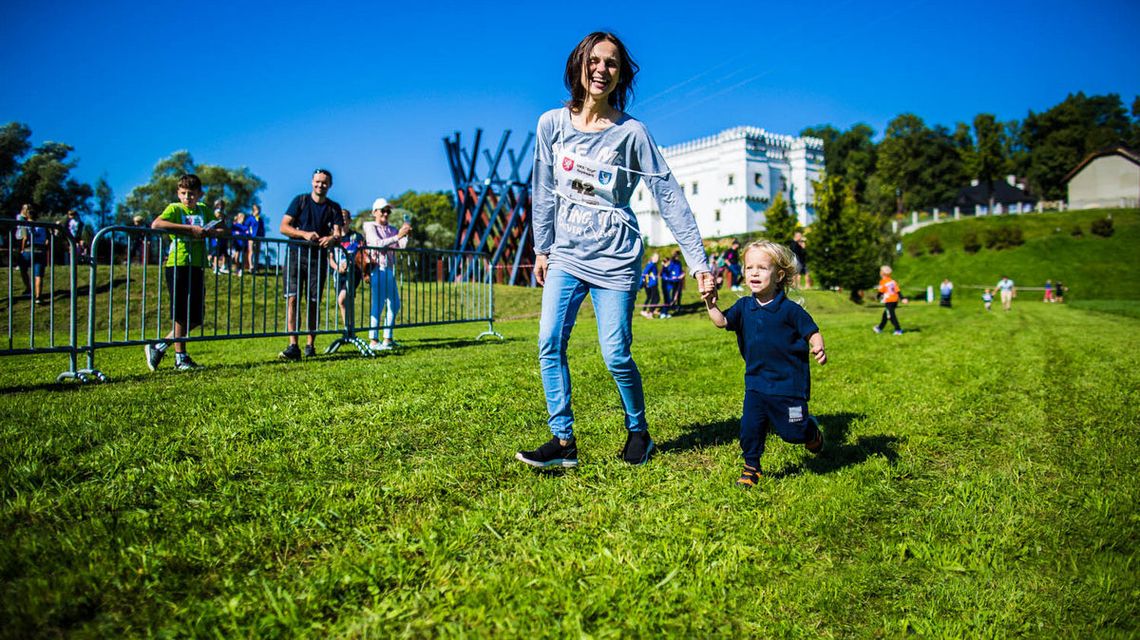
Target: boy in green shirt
(184, 269)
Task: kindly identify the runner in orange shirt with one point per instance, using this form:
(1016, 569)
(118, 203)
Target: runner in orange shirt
(889, 294)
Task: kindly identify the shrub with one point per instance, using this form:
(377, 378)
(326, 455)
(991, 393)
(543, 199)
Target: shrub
(1076, 232)
(933, 244)
(970, 242)
(1102, 227)
(1004, 238)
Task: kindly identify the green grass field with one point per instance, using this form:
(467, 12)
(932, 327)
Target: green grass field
(980, 481)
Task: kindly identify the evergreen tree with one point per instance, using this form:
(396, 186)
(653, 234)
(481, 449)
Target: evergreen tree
(845, 246)
(779, 223)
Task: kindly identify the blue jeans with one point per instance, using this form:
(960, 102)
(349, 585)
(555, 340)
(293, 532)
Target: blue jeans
(386, 299)
(562, 296)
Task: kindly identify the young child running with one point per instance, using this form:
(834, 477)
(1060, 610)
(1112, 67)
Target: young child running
(889, 294)
(774, 335)
(988, 299)
(185, 220)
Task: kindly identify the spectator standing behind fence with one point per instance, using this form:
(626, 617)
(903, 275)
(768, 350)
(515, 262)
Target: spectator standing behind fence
(1007, 291)
(34, 251)
(798, 246)
(945, 291)
(219, 246)
(732, 262)
(672, 282)
(140, 245)
(589, 157)
(256, 225)
(185, 269)
(649, 282)
(385, 289)
(22, 233)
(75, 228)
(316, 220)
(889, 295)
(774, 336)
(1048, 291)
(238, 244)
(1059, 292)
(343, 261)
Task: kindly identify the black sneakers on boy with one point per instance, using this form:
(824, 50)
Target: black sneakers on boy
(638, 447)
(551, 454)
(291, 352)
(815, 446)
(310, 352)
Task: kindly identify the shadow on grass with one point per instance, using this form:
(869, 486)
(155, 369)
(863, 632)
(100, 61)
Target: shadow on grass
(839, 453)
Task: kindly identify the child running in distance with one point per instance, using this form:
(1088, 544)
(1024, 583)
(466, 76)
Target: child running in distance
(775, 337)
(988, 299)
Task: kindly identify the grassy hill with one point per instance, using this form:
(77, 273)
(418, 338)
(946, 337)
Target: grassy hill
(1092, 267)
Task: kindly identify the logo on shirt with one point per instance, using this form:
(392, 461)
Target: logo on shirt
(604, 177)
(567, 164)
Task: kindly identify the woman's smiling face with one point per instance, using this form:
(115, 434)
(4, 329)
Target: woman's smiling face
(601, 71)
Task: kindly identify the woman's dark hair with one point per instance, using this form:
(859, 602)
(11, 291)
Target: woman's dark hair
(622, 93)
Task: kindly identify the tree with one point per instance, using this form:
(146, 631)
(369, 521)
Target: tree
(45, 181)
(1059, 138)
(849, 155)
(845, 245)
(920, 166)
(433, 217)
(987, 162)
(104, 200)
(238, 187)
(779, 222)
(15, 142)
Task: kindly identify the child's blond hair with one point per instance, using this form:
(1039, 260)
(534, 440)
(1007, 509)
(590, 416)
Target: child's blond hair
(782, 259)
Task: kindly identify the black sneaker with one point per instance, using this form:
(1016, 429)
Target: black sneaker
(310, 352)
(551, 454)
(291, 352)
(638, 447)
(815, 446)
(185, 363)
(153, 356)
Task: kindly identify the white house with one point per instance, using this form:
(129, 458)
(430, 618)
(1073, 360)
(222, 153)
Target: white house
(1109, 177)
(730, 178)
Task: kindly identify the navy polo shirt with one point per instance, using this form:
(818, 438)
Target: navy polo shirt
(773, 342)
(310, 216)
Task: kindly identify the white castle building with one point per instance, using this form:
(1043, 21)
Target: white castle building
(730, 178)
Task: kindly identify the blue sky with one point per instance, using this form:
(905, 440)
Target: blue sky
(369, 90)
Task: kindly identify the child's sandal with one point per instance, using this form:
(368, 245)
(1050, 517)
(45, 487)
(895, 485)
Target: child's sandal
(748, 478)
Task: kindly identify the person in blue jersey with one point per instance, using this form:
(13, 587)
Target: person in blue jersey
(649, 282)
(672, 284)
(589, 157)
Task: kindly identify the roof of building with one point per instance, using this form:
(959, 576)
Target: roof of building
(1111, 150)
(1003, 193)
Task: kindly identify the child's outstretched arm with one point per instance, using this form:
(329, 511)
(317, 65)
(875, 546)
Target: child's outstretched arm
(816, 342)
(715, 313)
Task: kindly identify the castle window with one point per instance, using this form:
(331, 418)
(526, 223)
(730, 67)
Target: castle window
(718, 215)
(694, 188)
(730, 179)
(759, 180)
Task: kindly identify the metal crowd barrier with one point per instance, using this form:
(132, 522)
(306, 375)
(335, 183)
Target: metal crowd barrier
(46, 323)
(129, 298)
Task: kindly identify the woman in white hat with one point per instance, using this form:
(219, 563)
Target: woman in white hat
(385, 294)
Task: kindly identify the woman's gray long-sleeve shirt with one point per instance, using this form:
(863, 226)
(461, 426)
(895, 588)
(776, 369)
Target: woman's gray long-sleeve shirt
(583, 181)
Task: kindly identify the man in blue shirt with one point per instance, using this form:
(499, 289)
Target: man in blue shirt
(316, 221)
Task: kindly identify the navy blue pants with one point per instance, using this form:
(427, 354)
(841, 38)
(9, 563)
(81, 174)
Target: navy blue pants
(785, 415)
